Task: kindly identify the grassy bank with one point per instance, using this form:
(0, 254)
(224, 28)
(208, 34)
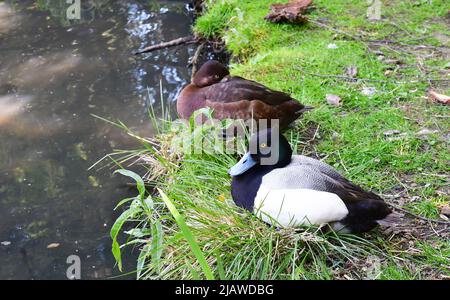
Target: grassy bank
(386, 136)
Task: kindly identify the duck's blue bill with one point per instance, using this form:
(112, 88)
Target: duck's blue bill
(243, 165)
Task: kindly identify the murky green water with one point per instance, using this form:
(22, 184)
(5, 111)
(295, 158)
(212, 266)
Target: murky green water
(55, 73)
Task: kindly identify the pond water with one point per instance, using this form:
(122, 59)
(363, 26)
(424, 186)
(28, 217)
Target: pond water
(55, 74)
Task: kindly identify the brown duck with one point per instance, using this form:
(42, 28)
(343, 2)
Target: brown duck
(233, 97)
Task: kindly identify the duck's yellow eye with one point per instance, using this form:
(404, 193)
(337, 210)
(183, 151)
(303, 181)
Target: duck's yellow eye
(216, 76)
(263, 145)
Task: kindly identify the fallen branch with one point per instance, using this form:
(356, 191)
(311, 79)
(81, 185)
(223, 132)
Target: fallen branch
(172, 43)
(194, 61)
(322, 25)
(367, 79)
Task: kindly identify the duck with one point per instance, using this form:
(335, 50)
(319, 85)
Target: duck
(286, 190)
(234, 97)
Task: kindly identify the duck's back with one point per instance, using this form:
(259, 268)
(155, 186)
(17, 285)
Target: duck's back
(308, 173)
(234, 89)
(304, 173)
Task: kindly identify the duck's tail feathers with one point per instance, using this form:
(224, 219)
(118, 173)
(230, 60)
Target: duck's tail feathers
(392, 219)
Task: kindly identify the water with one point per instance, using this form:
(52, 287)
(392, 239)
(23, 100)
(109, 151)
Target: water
(55, 73)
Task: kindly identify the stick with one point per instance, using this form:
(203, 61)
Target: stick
(335, 30)
(175, 42)
(367, 79)
(194, 60)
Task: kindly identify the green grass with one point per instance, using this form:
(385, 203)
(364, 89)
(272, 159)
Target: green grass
(215, 239)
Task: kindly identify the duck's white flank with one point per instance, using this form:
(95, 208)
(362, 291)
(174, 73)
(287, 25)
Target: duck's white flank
(294, 207)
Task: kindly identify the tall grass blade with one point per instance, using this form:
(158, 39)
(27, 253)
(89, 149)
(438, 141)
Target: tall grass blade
(188, 235)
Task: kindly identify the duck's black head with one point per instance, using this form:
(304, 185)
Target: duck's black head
(210, 73)
(268, 149)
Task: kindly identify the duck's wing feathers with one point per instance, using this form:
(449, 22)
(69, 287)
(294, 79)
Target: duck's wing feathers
(365, 208)
(308, 173)
(286, 112)
(234, 88)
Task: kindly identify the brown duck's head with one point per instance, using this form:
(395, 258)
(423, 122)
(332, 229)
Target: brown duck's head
(211, 72)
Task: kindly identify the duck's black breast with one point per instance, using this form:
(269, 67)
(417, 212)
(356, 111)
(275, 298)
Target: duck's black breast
(245, 187)
(232, 89)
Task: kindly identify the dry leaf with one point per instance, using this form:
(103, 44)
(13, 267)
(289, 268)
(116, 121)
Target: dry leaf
(439, 97)
(445, 210)
(53, 245)
(334, 99)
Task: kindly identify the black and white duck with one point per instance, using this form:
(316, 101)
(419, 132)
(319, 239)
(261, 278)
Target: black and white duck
(293, 190)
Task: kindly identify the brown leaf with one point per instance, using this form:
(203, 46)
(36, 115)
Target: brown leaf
(291, 12)
(53, 245)
(439, 97)
(334, 99)
(445, 210)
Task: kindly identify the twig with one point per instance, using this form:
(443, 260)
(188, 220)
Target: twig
(401, 28)
(175, 42)
(336, 30)
(194, 60)
(417, 216)
(353, 37)
(366, 79)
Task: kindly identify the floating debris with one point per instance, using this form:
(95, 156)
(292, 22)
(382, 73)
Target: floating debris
(53, 245)
(94, 181)
(80, 151)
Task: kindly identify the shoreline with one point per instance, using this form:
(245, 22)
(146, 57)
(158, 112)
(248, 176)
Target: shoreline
(374, 136)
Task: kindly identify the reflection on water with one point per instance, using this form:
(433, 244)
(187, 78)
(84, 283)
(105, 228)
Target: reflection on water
(55, 73)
